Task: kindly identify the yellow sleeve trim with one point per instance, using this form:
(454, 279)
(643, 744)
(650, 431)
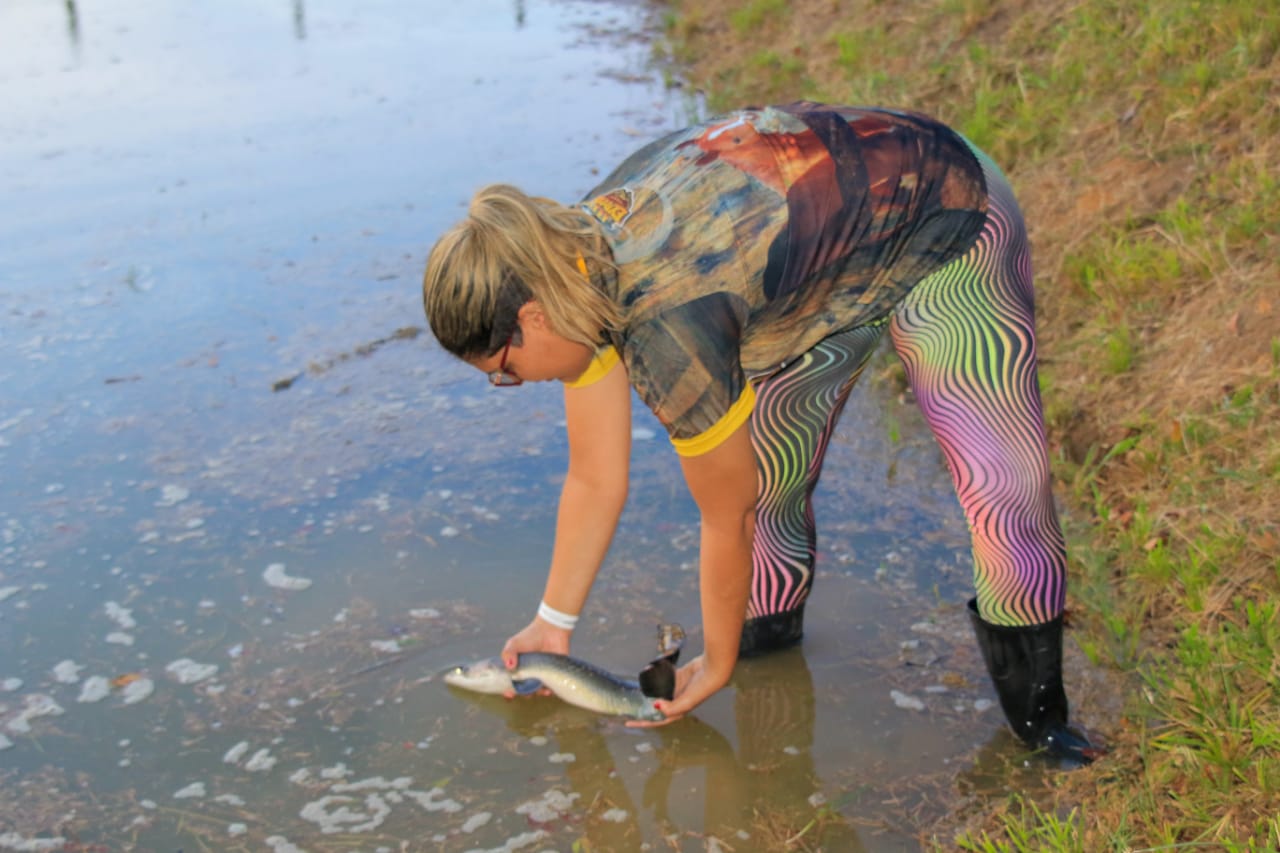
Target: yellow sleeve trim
(721, 429)
(604, 361)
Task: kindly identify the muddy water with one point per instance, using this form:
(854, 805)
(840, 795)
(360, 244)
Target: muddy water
(248, 514)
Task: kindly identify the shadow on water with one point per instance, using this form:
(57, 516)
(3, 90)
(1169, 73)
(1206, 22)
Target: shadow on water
(250, 512)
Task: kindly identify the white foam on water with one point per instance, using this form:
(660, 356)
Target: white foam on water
(235, 753)
(261, 761)
(518, 842)
(275, 576)
(95, 689)
(338, 811)
(552, 805)
(137, 690)
(122, 616)
(171, 494)
(37, 705)
(187, 671)
(193, 791)
(907, 703)
(67, 672)
(14, 841)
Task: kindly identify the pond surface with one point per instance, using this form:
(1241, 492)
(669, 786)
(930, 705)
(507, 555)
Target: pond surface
(249, 513)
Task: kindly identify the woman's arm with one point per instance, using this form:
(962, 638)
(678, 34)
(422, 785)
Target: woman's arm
(723, 482)
(598, 419)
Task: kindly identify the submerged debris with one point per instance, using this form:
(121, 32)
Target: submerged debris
(318, 368)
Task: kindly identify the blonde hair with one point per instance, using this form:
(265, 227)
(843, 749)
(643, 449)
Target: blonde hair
(511, 248)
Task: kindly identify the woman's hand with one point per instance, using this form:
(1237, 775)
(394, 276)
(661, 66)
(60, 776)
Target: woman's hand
(695, 681)
(537, 636)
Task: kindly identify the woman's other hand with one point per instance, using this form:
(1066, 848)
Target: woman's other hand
(695, 681)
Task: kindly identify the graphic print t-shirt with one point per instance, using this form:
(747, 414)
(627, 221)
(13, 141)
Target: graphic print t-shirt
(744, 241)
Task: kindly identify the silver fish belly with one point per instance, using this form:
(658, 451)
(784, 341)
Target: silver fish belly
(572, 680)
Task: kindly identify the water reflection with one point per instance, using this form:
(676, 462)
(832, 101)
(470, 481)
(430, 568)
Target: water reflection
(694, 782)
(73, 23)
(299, 20)
(770, 787)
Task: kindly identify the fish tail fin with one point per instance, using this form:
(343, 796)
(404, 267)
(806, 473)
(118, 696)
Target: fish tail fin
(658, 679)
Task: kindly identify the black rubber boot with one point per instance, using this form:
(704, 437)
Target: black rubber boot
(1025, 665)
(771, 632)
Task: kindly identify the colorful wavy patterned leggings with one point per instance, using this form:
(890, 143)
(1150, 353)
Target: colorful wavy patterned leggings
(966, 337)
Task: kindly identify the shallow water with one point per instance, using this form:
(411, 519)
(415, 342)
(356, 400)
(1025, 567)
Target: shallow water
(225, 445)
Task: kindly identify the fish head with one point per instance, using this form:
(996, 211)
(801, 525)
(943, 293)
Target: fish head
(486, 676)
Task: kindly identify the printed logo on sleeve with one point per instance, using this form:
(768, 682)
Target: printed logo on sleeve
(613, 208)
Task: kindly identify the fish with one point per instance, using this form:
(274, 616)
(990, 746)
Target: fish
(579, 682)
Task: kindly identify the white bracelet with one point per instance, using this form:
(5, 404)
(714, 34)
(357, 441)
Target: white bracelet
(552, 616)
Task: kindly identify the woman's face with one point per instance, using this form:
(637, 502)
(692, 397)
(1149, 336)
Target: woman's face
(537, 354)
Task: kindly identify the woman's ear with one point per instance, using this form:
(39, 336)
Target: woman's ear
(531, 312)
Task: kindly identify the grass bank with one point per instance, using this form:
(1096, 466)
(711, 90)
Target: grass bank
(1144, 143)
